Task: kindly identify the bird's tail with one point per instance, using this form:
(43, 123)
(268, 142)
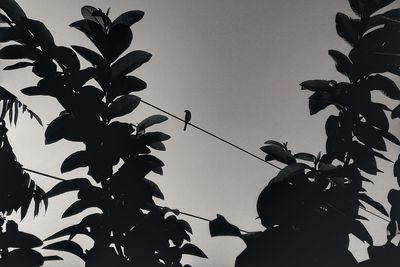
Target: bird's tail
(184, 128)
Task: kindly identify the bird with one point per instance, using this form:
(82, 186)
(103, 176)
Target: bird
(188, 117)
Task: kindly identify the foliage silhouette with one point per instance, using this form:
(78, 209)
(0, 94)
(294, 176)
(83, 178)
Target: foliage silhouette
(130, 230)
(312, 205)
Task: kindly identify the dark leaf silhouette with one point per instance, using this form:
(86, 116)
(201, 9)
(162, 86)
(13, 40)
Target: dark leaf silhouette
(18, 65)
(279, 153)
(191, 249)
(22, 257)
(347, 28)
(342, 62)
(68, 246)
(12, 9)
(129, 62)
(358, 229)
(19, 240)
(123, 105)
(370, 136)
(75, 160)
(221, 227)
(289, 171)
(129, 18)
(17, 52)
(75, 208)
(149, 121)
(67, 186)
(373, 203)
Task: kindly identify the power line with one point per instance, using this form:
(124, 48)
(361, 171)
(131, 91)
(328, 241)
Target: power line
(181, 212)
(213, 135)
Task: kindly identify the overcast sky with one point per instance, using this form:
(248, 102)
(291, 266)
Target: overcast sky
(236, 65)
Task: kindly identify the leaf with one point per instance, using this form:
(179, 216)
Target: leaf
(363, 157)
(70, 230)
(374, 114)
(126, 85)
(129, 63)
(88, 13)
(23, 258)
(342, 62)
(123, 105)
(318, 85)
(221, 227)
(279, 153)
(378, 206)
(391, 16)
(12, 9)
(358, 229)
(346, 28)
(52, 258)
(76, 207)
(151, 137)
(18, 65)
(370, 136)
(129, 18)
(15, 51)
(19, 240)
(75, 160)
(119, 39)
(68, 246)
(390, 137)
(191, 249)
(95, 33)
(67, 186)
(319, 101)
(153, 189)
(396, 112)
(305, 156)
(40, 32)
(91, 56)
(272, 142)
(290, 171)
(66, 58)
(150, 121)
(383, 84)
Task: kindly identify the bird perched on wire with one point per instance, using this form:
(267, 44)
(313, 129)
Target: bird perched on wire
(188, 117)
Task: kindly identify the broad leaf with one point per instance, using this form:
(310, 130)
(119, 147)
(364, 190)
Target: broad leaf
(318, 85)
(370, 136)
(72, 230)
(191, 249)
(347, 28)
(378, 206)
(149, 121)
(359, 230)
(129, 63)
(129, 18)
(68, 246)
(67, 186)
(19, 240)
(342, 62)
(221, 227)
(363, 157)
(15, 51)
(279, 153)
(12, 9)
(75, 160)
(123, 105)
(290, 171)
(76, 207)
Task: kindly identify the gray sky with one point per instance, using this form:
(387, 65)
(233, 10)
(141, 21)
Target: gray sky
(236, 65)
